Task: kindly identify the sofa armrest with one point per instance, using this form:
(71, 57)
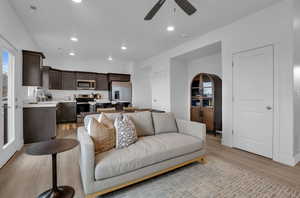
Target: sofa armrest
(87, 158)
(195, 129)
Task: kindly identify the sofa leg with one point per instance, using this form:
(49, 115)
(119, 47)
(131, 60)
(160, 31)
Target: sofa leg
(202, 160)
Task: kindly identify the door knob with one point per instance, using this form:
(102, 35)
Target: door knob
(268, 107)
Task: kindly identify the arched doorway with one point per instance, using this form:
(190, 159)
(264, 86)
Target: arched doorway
(206, 101)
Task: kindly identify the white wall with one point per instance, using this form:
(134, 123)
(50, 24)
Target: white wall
(210, 64)
(179, 89)
(160, 86)
(141, 87)
(297, 77)
(12, 30)
(272, 25)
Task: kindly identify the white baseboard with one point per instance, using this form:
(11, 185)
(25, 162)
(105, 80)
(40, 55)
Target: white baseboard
(297, 158)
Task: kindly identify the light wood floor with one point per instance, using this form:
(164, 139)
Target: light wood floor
(26, 176)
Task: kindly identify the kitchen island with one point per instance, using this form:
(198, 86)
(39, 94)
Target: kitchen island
(40, 119)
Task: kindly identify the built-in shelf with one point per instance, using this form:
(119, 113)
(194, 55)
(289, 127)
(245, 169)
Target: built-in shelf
(206, 101)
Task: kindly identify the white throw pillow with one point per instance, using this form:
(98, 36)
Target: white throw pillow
(164, 123)
(125, 132)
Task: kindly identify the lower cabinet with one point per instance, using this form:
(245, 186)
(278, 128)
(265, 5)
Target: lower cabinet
(196, 114)
(39, 124)
(66, 112)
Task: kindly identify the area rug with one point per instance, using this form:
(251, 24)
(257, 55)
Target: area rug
(215, 179)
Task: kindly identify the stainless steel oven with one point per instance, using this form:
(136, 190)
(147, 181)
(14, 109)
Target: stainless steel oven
(86, 84)
(82, 103)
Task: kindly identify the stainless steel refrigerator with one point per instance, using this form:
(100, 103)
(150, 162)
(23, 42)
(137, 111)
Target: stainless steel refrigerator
(121, 91)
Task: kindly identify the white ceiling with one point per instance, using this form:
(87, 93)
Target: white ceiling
(102, 26)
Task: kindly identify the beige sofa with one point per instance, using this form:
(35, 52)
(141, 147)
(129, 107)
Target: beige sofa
(164, 144)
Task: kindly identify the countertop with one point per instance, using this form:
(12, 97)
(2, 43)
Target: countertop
(53, 103)
(105, 101)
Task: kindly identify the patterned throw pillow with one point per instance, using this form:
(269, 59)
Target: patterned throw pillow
(103, 136)
(125, 132)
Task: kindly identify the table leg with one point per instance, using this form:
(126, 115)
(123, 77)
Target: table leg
(54, 172)
(57, 191)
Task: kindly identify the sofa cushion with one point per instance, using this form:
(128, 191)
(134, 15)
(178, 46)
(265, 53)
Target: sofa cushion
(148, 150)
(143, 122)
(164, 123)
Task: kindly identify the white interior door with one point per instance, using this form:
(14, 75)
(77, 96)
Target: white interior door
(253, 88)
(8, 140)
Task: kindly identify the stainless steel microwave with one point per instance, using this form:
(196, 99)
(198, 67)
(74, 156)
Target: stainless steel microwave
(86, 84)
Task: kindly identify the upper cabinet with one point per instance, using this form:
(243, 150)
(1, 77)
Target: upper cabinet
(118, 77)
(32, 63)
(85, 76)
(68, 80)
(101, 82)
(55, 79)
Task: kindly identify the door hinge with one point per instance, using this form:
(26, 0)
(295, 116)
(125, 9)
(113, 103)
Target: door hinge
(232, 63)
(232, 132)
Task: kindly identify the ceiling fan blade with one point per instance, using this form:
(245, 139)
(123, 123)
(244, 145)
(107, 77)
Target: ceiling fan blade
(154, 10)
(186, 6)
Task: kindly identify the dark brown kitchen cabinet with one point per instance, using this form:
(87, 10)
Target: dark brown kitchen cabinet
(32, 63)
(85, 76)
(118, 77)
(66, 112)
(36, 129)
(101, 82)
(55, 79)
(68, 80)
(45, 76)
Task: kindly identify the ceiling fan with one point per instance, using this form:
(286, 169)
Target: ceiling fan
(185, 5)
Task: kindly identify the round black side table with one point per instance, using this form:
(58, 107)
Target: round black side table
(53, 147)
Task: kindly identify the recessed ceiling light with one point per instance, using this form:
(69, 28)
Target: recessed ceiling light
(110, 58)
(72, 54)
(74, 39)
(77, 1)
(170, 28)
(124, 47)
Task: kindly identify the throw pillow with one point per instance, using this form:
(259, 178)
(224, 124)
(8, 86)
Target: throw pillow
(164, 123)
(125, 132)
(103, 136)
(143, 122)
(106, 121)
